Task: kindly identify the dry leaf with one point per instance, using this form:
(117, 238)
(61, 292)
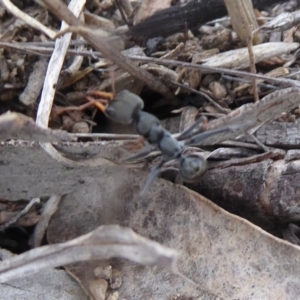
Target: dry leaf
(221, 253)
(18, 126)
(148, 8)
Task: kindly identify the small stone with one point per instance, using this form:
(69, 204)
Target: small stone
(116, 283)
(218, 89)
(113, 296)
(104, 273)
(98, 288)
(80, 127)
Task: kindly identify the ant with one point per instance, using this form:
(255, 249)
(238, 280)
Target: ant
(127, 108)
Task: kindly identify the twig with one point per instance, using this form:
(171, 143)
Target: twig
(127, 7)
(252, 68)
(240, 144)
(54, 68)
(109, 52)
(248, 23)
(49, 209)
(34, 86)
(120, 8)
(107, 136)
(247, 81)
(170, 62)
(24, 47)
(20, 214)
(259, 143)
(53, 71)
(213, 102)
(27, 19)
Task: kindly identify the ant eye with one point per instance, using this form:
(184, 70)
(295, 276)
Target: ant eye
(192, 168)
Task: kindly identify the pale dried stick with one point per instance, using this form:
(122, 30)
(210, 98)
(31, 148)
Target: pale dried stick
(171, 62)
(27, 19)
(53, 71)
(243, 21)
(250, 23)
(24, 47)
(107, 136)
(78, 59)
(252, 67)
(48, 211)
(214, 103)
(20, 214)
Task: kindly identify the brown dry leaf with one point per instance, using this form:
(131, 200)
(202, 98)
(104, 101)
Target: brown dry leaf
(35, 83)
(148, 7)
(49, 177)
(223, 254)
(18, 126)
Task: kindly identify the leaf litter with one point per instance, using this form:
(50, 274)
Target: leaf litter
(223, 254)
(267, 264)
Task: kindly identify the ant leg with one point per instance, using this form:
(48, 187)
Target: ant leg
(101, 94)
(98, 104)
(188, 132)
(194, 141)
(139, 155)
(151, 177)
(59, 111)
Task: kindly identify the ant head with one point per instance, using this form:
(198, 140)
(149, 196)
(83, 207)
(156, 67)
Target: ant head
(192, 167)
(123, 107)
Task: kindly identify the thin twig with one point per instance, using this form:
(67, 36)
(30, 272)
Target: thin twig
(170, 62)
(120, 8)
(261, 84)
(252, 67)
(20, 214)
(24, 47)
(27, 19)
(107, 136)
(53, 71)
(213, 102)
(49, 209)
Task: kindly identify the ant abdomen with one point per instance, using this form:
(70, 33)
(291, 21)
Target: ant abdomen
(123, 107)
(192, 168)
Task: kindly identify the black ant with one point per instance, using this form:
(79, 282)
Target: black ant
(126, 108)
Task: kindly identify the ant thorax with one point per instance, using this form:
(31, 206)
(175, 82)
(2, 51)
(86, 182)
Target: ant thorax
(169, 146)
(148, 126)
